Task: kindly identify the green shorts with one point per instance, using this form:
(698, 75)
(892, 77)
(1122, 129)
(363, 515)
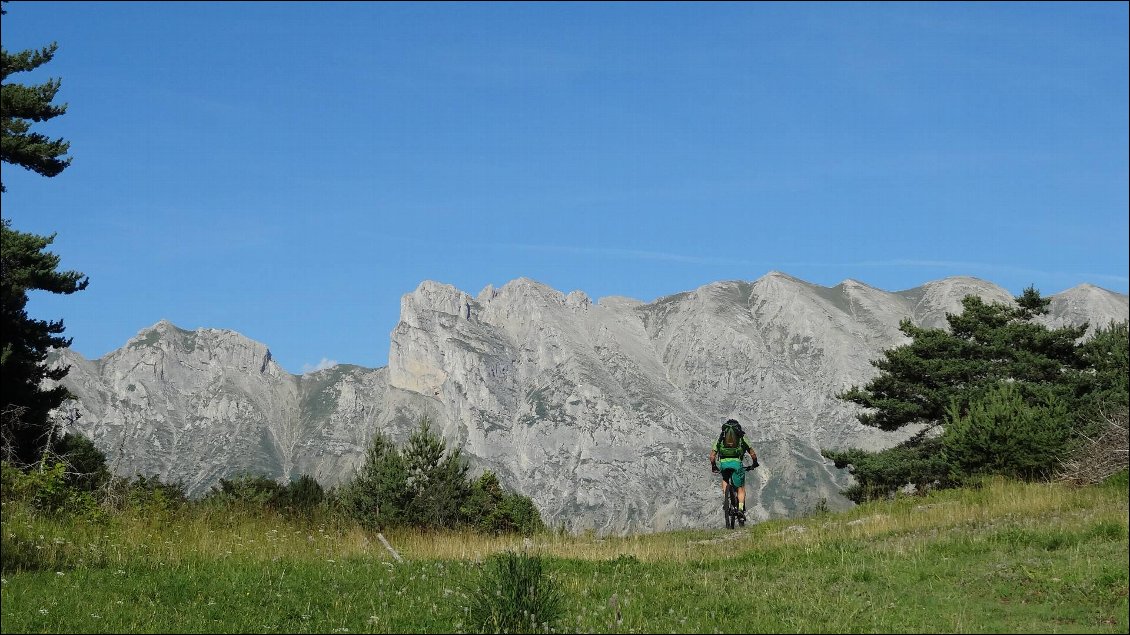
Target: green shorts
(737, 477)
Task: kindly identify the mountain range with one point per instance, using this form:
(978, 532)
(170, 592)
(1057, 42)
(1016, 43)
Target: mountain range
(603, 413)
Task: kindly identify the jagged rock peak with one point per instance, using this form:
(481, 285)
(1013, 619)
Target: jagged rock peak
(578, 300)
(161, 331)
(853, 290)
(776, 286)
(487, 294)
(523, 296)
(1086, 303)
(437, 296)
(522, 287)
(852, 284)
(1087, 289)
(527, 287)
(167, 341)
(164, 329)
(778, 282)
(954, 283)
(781, 275)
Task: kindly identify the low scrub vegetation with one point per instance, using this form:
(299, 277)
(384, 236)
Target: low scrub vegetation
(424, 486)
(997, 556)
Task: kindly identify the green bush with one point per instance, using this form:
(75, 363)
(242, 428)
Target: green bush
(44, 487)
(86, 464)
(247, 490)
(481, 507)
(149, 494)
(513, 594)
(377, 495)
(1016, 431)
(491, 509)
(1106, 388)
(426, 486)
(436, 480)
(917, 462)
(304, 494)
(521, 515)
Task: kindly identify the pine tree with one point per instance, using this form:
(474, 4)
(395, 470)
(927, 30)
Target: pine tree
(437, 480)
(378, 495)
(985, 344)
(25, 430)
(1008, 394)
(23, 105)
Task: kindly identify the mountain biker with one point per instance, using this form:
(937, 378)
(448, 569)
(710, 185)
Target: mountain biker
(730, 447)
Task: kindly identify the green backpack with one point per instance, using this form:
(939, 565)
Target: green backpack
(730, 440)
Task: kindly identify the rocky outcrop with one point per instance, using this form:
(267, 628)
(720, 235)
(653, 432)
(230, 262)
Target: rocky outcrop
(602, 412)
(199, 406)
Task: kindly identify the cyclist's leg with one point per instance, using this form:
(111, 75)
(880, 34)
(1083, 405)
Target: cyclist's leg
(738, 481)
(729, 473)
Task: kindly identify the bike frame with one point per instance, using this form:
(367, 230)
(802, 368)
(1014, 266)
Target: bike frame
(730, 500)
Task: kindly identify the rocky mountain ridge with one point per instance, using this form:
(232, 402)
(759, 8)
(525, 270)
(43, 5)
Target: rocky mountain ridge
(602, 412)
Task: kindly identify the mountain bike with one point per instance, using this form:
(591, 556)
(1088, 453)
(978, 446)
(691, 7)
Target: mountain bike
(730, 500)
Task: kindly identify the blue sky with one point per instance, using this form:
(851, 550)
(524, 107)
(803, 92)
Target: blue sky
(290, 170)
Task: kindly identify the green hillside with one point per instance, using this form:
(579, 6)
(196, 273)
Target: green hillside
(1005, 557)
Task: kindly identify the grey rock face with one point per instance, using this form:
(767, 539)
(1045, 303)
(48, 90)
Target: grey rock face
(199, 406)
(602, 412)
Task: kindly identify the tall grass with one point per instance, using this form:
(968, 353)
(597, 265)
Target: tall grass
(1003, 557)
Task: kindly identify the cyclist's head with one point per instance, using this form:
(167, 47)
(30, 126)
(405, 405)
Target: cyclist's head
(730, 422)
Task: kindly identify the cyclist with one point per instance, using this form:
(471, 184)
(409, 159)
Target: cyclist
(729, 448)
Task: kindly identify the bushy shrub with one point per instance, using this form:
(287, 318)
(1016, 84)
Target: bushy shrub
(513, 594)
(247, 490)
(304, 494)
(1015, 430)
(86, 465)
(491, 509)
(1106, 388)
(378, 494)
(427, 486)
(918, 462)
(521, 515)
(45, 489)
(481, 508)
(150, 494)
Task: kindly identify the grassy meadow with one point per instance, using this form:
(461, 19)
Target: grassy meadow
(1007, 557)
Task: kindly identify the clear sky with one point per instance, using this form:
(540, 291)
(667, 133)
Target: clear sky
(291, 170)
